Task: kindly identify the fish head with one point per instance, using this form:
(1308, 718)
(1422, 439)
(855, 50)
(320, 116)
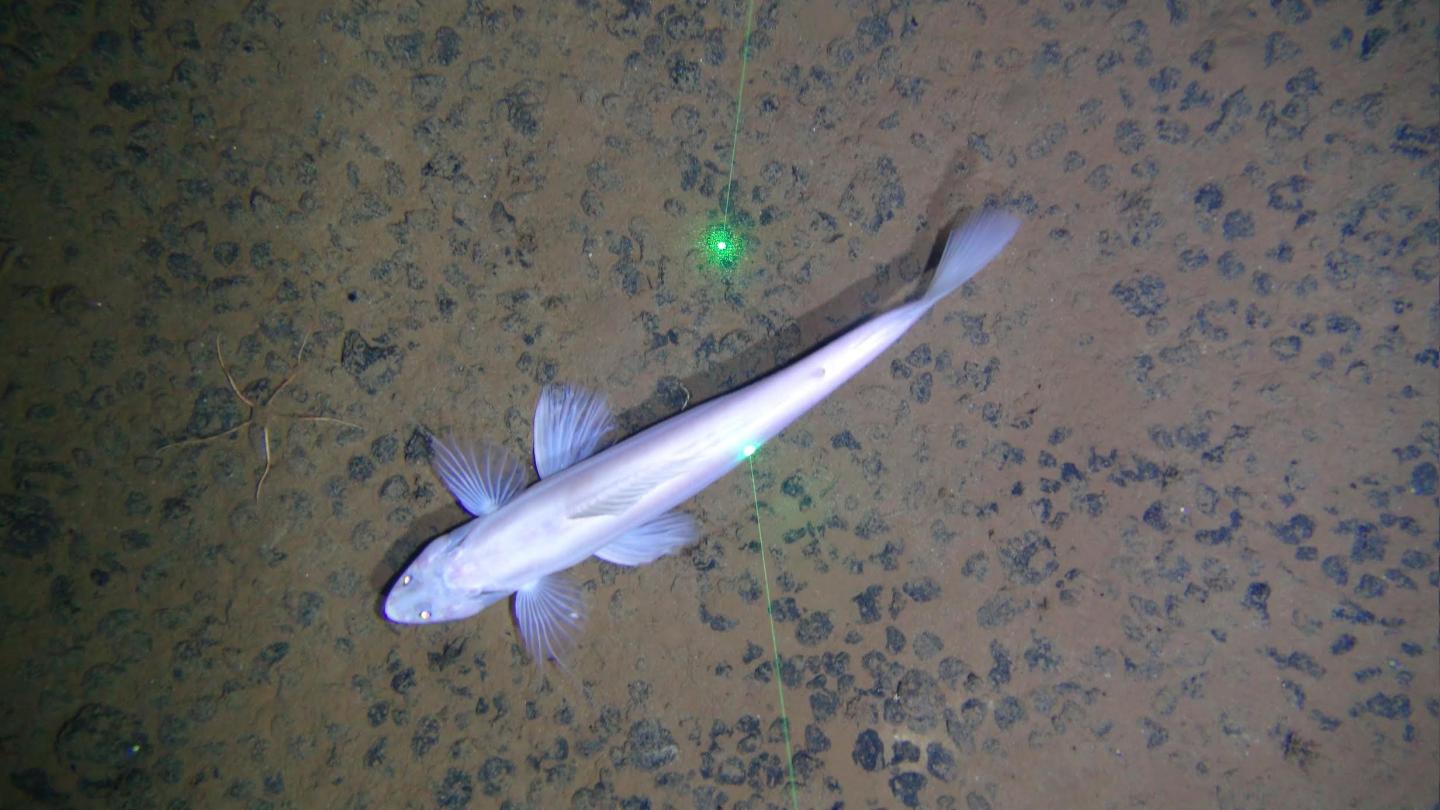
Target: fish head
(427, 594)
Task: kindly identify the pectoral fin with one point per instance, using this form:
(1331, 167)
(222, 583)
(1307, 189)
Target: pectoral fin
(570, 425)
(482, 481)
(666, 534)
(549, 611)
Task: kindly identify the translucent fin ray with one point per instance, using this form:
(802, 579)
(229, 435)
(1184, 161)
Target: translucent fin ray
(482, 481)
(549, 611)
(649, 542)
(571, 423)
(969, 248)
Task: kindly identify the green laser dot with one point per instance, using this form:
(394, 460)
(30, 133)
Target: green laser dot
(722, 245)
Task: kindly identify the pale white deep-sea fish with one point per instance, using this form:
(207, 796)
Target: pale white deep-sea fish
(617, 504)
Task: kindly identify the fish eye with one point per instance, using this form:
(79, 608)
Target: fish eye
(425, 615)
(405, 580)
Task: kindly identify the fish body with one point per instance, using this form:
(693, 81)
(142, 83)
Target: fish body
(616, 503)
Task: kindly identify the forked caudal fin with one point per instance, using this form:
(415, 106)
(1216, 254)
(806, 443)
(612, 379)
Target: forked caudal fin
(969, 248)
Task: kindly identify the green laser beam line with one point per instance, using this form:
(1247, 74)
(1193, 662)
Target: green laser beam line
(727, 248)
(774, 638)
(739, 105)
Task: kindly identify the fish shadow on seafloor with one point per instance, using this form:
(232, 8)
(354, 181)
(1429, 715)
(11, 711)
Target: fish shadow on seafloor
(902, 278)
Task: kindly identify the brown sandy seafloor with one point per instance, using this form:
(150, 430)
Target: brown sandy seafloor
(1147, 516)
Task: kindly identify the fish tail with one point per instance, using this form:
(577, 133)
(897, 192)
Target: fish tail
(969, 248)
